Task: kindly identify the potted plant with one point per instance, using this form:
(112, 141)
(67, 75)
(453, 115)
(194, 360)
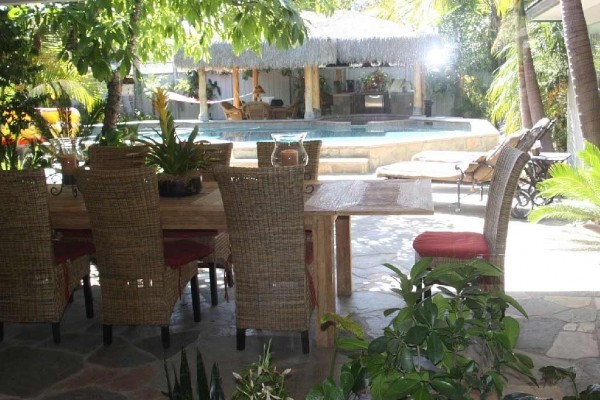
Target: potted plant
(177, 162)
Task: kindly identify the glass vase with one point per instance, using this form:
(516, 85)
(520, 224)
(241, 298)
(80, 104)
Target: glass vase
(69, 152)
(289, 149)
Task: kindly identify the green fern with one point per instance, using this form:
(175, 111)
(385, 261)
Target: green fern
(579, 185)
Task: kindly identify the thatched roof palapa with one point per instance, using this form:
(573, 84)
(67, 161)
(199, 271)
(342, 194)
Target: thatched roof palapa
(345, 37)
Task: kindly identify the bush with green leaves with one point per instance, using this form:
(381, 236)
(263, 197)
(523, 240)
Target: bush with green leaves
(579, 186)
(182, 388)
(449, 346)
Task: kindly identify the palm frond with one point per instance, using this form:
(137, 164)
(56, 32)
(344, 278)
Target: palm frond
(569, 211)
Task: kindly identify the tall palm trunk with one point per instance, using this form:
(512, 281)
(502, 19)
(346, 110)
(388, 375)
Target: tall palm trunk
(115, 84)
(581, 67)
(523, 98)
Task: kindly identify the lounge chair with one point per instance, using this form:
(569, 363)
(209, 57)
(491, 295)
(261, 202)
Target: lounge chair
(231, 111)
(476, 168)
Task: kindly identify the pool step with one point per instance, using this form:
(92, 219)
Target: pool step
(327, 165)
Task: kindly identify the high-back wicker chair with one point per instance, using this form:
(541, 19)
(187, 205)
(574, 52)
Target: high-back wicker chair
(217, 239)
(491, 244)
(265, 219)
(256, 110)
(312, 147)
(141, 277)
(113, 157)
(37, 275)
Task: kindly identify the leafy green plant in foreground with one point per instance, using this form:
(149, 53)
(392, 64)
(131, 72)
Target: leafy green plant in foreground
(452, 345)
(182, 388)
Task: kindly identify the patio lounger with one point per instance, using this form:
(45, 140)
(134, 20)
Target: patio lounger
(462, 167)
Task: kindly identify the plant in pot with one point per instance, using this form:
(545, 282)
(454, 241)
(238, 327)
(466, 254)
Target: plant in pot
(457, 344)
(178, 163)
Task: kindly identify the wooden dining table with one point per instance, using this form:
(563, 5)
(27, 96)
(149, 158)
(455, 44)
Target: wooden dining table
(329, 206)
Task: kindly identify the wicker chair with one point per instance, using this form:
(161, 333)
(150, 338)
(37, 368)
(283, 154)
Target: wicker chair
(231, 112)
(491, 244)
(141, 277)
(217, 239)
(256, 110)
(112, 157)
(265, 218)
(37, 275)
(312, 147)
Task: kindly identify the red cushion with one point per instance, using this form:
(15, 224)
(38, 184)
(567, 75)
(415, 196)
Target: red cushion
(64, 251)
(181, 252)
(309, 254)
(189, 233)
(463, 245)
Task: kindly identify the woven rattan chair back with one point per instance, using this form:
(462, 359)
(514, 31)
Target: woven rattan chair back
(265, 219)
(32, 287)
(220, 154)
(499, 203)
(539, 130)
(112, 157)
(256, 110)
(123, 206)
(230, 111)
(312, 147)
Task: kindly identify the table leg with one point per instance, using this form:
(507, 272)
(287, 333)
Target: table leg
(343, 254)
(322, 231)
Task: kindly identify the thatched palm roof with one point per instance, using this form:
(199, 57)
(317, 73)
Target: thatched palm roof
(345, 37)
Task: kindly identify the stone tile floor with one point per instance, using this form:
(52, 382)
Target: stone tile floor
(553, 269)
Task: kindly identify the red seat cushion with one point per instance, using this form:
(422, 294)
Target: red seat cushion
(189, 233)
(64, 251)
(181, 252)
(463, 245)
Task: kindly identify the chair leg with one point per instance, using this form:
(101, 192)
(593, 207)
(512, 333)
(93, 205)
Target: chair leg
(212, 275)
(71, 298)
(56, 332)
(229, 275)
(87, 294)
(195, 298)
(1, 331)
(305, 343)
(241, 339)
(107, 334)
(165, 336)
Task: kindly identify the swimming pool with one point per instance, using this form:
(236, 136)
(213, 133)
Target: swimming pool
(348, 148)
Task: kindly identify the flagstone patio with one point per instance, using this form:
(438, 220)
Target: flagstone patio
(553, 269)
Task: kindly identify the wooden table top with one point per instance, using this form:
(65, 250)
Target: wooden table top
(205, 210)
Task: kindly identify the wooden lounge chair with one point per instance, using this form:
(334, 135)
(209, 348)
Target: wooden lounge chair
(447, 247)
(231, 112)
(256, 110)
(476, 168)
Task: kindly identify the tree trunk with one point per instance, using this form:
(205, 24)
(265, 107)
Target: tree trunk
(523, 98)
(581, 68)
(112, 109)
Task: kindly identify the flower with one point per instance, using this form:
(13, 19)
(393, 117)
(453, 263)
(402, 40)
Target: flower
(170, 155)
(377, 80)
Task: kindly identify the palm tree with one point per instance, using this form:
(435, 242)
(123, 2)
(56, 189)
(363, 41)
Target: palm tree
(581, 66)
(579, 185)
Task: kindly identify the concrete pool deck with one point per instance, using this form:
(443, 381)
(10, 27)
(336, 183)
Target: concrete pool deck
(553, 269)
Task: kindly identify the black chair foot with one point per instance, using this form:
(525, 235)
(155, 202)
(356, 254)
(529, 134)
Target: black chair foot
(195, 298)
(56, 332)
(212, 275)
(229, 276)
(165, 337)
(1, 331)
(107, 334)
(241, 339)
(305, 343)
(87, 294)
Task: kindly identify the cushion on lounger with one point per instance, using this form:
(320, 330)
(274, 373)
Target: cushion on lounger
(464, 245)
(511, 140)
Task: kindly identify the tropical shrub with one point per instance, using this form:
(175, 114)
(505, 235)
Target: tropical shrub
(579, 186)
(182, 387)
(454, 344)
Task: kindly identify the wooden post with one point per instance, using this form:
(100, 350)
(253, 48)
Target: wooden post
(236, 88)
(203, 116)
(254, 83)
(339, 79)
(308, 93)
(418, 87)
(316, 95)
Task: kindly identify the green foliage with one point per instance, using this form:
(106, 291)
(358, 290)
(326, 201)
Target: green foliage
(212, 88)
(447, 346)
(579, 185)
(261, 381)
(552, 375)
(182, 388)
(170, 155)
